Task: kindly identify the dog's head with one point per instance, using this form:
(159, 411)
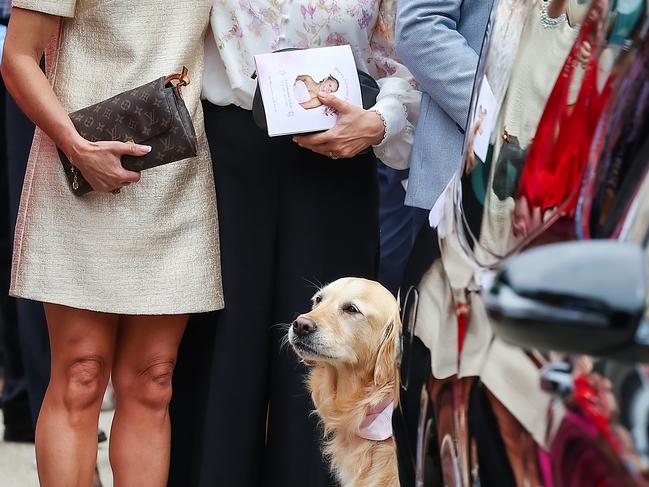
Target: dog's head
(354, 322)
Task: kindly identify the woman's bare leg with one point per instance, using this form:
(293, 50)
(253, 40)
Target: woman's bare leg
(145, 357)
(82, 345)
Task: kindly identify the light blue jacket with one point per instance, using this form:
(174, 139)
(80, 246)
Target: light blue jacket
(440, 42)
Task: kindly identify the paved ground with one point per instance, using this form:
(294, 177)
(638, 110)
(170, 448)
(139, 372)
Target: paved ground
(18, 466)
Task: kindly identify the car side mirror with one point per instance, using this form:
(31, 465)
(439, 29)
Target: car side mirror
(578, 297)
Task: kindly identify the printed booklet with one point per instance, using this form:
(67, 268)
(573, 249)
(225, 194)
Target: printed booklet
(290, 81)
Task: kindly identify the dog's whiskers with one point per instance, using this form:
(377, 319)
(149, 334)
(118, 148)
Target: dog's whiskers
(284, 343)
(317, 286)
(282, 325)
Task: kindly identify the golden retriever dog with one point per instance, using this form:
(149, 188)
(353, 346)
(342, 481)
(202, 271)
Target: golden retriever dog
(351, 339)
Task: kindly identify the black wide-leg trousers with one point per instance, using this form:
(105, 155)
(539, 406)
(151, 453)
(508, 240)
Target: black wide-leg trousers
(290, 220)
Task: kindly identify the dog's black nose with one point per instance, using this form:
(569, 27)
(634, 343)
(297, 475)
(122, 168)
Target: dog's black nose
(304, 326)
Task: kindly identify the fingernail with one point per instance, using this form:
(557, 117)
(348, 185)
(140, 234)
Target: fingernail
(147, 148)
(295, 139)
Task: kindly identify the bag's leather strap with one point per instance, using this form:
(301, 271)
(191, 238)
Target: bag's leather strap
(182, 77)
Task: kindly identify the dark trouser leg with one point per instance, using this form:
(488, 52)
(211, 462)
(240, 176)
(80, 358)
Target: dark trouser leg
(400, 226)
(34, 342)
(415, 363)
(35, 349)
(224, 354)
(15, 399)
(253, 176)
(495, 469)
(328, 229)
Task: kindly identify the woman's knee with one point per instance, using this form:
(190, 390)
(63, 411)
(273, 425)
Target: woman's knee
(148, 385)
(86, 377)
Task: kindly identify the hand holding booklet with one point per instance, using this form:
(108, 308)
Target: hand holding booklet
(290, 82)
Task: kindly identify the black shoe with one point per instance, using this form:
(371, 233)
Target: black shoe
(15, 434)
(17, 421)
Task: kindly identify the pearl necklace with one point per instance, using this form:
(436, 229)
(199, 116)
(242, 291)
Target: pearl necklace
(549, 22)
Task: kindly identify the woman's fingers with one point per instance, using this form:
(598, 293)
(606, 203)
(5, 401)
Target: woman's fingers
(138, 150)
(347, 138)
(320, 148)
(521, 217)
(124, 177)
(327, 143)
(129, 177)
(537, 217)
(334, 146)
(337, 151)
(341, 106)
(103, 168)
(328, 150)
(311, 141)
(323, 149)
(129, 149)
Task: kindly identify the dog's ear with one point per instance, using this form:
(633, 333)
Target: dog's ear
(385, 368)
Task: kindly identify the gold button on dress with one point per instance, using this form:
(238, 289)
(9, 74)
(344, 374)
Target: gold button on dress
(153, 248)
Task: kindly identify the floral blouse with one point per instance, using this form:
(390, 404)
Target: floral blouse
(243, 28)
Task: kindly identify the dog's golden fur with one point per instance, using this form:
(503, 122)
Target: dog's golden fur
(354, 368)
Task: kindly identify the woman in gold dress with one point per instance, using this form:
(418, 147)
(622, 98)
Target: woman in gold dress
(118, 273)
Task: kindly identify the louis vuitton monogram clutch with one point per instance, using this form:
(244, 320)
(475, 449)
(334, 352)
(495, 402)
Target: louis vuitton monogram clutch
(153, 114)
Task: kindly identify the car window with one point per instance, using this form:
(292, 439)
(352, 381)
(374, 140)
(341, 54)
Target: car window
(547, 79)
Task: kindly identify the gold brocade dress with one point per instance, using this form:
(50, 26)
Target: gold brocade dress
(153, 248)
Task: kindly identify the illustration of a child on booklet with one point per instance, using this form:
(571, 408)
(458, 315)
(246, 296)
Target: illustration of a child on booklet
(306, 90)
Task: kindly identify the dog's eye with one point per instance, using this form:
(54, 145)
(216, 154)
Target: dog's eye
(317, 299)
(350, 308)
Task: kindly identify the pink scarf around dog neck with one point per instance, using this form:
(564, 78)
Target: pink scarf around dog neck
(377, 425)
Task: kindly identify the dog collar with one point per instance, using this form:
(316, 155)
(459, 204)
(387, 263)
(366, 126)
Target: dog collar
(377, 425)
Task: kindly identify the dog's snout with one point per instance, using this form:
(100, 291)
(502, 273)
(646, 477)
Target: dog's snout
(304, 326)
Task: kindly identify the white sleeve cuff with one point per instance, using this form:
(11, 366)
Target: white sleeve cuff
(394, 116)
(398, 104)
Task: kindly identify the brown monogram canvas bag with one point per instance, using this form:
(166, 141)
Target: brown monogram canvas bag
(153, 114)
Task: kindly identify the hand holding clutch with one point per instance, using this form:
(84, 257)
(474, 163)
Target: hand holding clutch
(100, 163)
(152, 115)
